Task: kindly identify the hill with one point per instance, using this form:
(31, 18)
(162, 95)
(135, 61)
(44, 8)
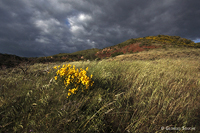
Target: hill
(8, 60)
(146, 43)
(127, 47)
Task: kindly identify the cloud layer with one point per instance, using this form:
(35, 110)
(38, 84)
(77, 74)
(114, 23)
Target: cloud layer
(46, 27)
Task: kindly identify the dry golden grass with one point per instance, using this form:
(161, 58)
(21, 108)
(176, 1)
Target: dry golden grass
(160, 53)
(142, 93)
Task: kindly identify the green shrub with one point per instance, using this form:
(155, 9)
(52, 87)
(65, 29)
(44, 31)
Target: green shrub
(144, 44)
(116, 54)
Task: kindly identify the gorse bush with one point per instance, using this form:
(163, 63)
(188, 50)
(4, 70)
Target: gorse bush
(73, 79)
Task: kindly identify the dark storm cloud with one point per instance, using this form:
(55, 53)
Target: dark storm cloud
(47, 27)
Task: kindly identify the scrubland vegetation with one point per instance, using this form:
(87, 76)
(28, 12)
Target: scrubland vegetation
(139, 92)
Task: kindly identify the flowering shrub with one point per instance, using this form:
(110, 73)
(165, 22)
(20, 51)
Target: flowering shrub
(73, 79)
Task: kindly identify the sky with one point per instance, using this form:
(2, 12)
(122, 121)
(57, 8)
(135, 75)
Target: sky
(37, 28)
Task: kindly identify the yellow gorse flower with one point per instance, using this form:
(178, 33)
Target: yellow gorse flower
(74, 78)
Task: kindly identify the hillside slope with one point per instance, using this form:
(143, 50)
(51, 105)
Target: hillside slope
(130, 46)
(146, 43)
(8, 60)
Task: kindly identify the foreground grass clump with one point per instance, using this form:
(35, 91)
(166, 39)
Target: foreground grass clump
(127, 96)
(73, 78)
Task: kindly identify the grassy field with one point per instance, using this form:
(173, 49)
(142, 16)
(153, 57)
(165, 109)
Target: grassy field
(139, 92)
